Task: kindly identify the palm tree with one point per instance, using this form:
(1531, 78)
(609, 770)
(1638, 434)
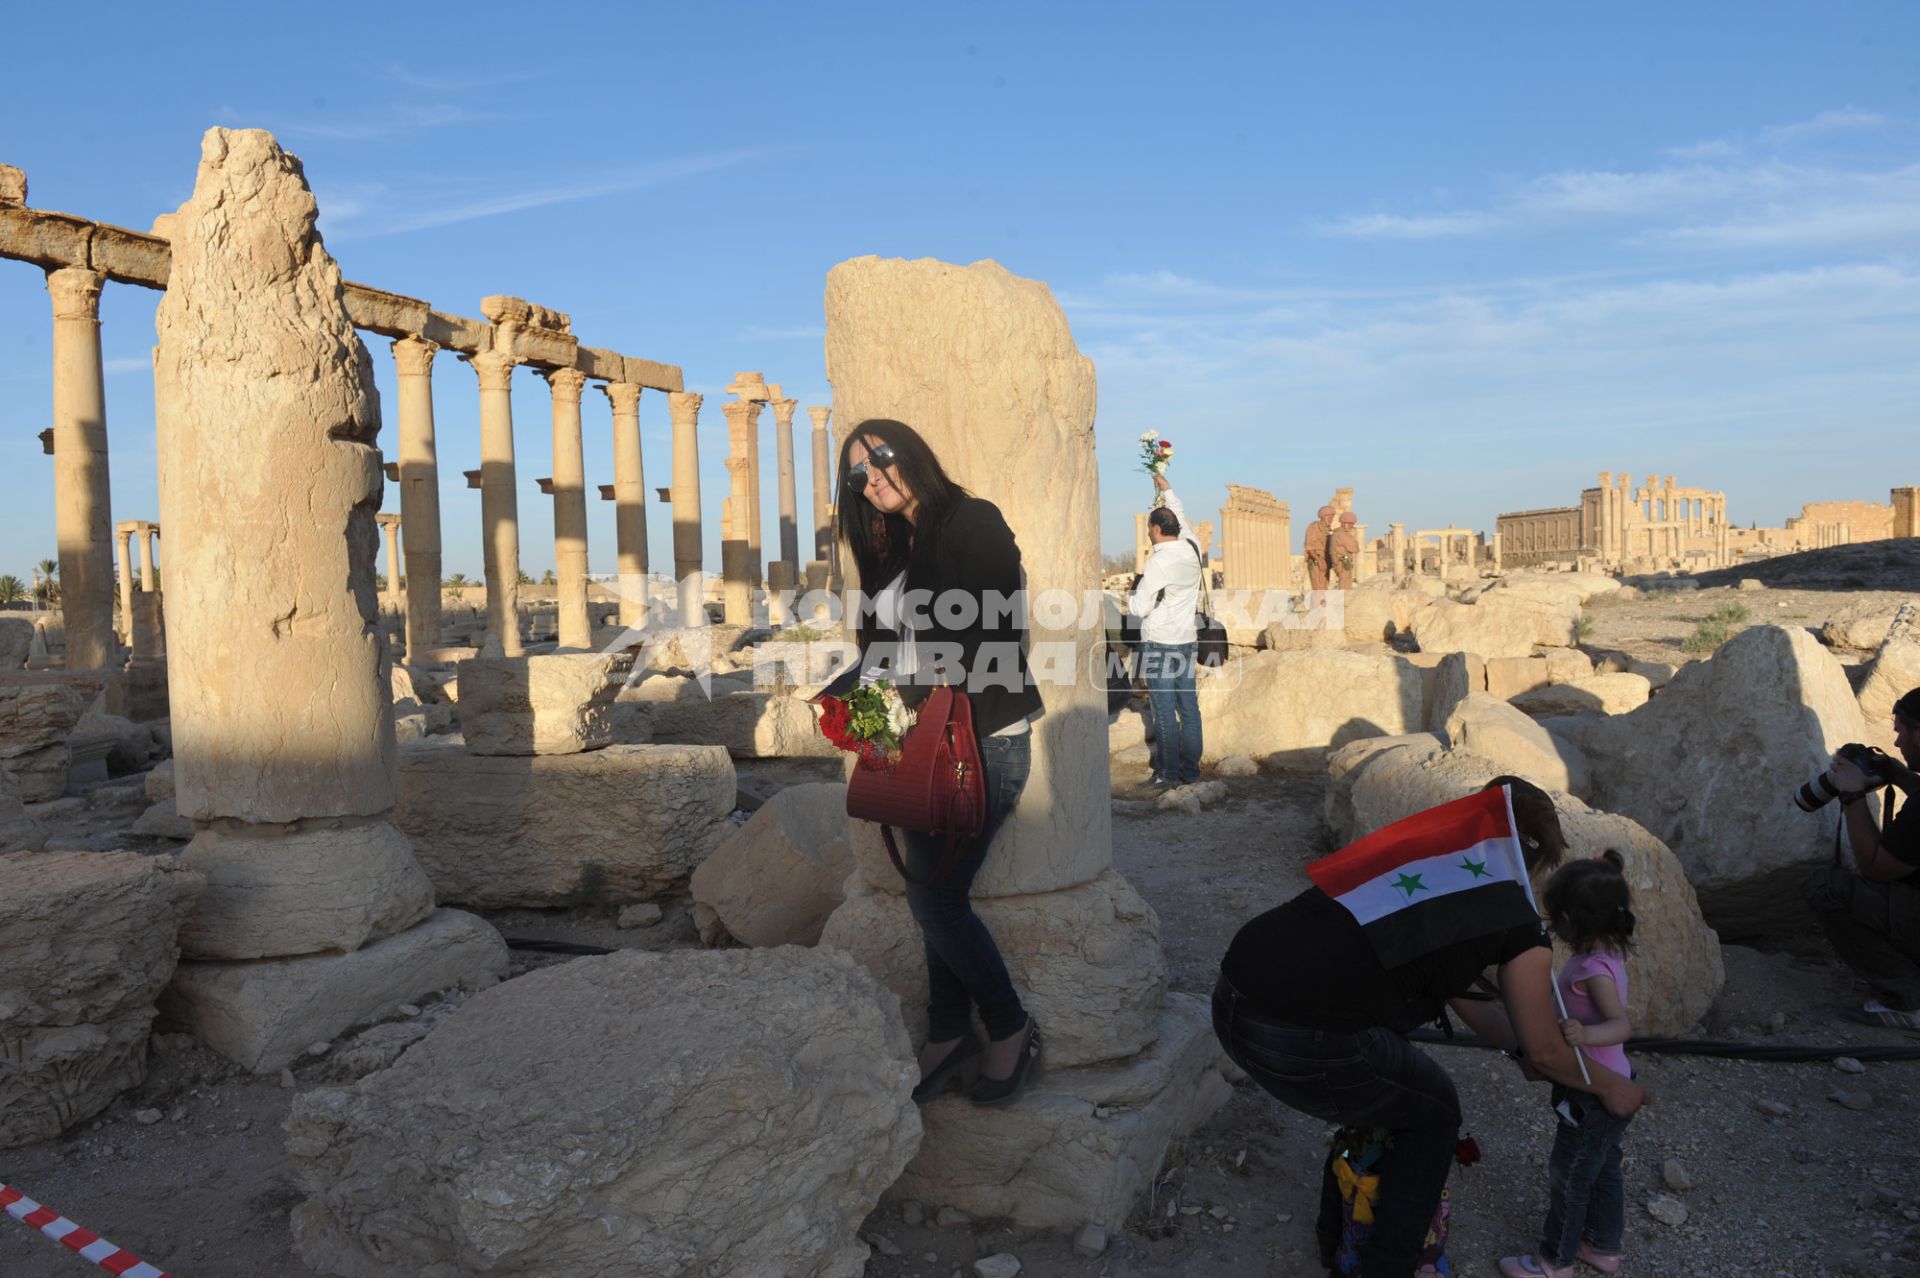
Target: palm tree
(12, 589)
(454, 585)
(49, 590)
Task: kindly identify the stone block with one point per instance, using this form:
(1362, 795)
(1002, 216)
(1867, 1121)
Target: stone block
(752, 723)
(35, 722)
(626, 823)
(1895, 671)
(1508, 677)
(1488, 628)
(555, 703)
(20, 831)
(1458, 676)
(775, 880)
(161, 821)
(1499, 732)
(1086, 961)
(262, 1014)
(329, 884)
(16, 639)
(1291, 707)
(1607, 693)
(1709, 767)
(86, 944)
(730, 1112)
(1564, 665)
(1859, 627)
(1126, 729)
(1081, 1144)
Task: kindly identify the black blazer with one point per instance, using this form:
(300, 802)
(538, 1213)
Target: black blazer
(970, 556)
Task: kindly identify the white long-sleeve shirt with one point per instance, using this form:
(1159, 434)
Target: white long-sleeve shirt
(1169, 591)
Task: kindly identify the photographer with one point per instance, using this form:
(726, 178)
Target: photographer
(1872, 911)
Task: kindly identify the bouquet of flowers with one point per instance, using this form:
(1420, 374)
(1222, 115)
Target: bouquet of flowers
(1155, 452)
(869, 722)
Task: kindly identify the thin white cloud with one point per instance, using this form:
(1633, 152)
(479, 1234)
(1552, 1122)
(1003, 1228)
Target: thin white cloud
(453, 81)
(795, 332)
(1843, 120)
(1390, 226)
(367, 211)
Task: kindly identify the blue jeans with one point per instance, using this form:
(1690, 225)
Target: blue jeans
(1167, 669)
(1588, 1199)
(964, 967)
(1373, 1078)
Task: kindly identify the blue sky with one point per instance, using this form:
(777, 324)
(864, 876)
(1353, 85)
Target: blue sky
(1459, 257)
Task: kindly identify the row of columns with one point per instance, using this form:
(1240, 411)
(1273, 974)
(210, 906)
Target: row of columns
(88, 541)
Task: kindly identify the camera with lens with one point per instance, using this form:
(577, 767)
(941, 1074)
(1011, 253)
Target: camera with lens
(1821, 791)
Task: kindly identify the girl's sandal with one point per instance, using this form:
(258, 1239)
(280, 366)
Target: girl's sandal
(1532, 1266)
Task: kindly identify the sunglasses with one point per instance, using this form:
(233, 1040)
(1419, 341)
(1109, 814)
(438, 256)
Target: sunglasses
(880, 455)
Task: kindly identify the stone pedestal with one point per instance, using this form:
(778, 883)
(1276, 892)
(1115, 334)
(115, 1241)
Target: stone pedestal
(982, 365)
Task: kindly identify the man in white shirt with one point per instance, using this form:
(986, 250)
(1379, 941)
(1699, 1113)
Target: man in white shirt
(1165, 599)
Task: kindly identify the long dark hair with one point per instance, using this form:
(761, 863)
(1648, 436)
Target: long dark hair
(1542, 843)
(882, 545)
(1589, 905)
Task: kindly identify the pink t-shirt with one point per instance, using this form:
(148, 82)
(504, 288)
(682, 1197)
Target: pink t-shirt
(1580, 1004)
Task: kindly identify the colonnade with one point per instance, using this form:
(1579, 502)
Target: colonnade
(80, 257)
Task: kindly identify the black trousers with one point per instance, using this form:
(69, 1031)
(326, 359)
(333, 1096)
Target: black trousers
(1373, 1078)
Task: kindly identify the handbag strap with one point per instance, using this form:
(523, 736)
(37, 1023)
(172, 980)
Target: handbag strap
(1206, 587)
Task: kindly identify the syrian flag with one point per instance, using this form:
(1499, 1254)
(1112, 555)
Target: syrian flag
(1439, 876)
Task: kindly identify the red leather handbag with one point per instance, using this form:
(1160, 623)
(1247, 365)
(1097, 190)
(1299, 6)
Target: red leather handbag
(936, 786)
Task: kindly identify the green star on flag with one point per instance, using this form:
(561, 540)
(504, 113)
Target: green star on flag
(1476, 868)
(1410, 883)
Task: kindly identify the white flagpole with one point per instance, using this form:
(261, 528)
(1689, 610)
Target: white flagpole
(1526, 885)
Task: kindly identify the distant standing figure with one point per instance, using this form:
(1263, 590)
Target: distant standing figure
(1319, 532)
(1165, 599)
(1344, 549)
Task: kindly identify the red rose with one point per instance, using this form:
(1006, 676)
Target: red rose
(833, 722)
(1467, 1152)
(1166, 445)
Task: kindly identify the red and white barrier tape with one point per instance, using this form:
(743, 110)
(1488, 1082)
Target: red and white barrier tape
(63, 1231)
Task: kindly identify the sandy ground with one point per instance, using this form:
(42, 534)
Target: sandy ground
(189, 1170)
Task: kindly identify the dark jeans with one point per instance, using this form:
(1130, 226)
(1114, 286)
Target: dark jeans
(964, 967)
(1374, 1078)
(1875, 927)
(1588, 1197)
(1167, 670)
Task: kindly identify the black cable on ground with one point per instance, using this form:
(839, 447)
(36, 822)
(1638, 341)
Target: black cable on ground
(1726, 1050)
(540, 945)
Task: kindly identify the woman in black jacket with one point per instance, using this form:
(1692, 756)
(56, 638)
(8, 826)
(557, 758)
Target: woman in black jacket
(941, 601)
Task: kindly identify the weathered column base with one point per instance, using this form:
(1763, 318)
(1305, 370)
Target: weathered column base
(1082, 1144)
(551, 703)
(1086, 960)
(263, 1014)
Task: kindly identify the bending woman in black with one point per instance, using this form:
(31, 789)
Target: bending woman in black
(941, 572)
(1305, 1006)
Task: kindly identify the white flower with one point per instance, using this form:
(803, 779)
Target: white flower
(1149, 437)
(899, 718)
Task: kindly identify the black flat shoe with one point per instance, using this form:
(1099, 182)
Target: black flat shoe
(966, 1052)
(998, 1091)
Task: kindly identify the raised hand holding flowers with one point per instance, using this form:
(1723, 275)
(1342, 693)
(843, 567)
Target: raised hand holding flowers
(1155, 452)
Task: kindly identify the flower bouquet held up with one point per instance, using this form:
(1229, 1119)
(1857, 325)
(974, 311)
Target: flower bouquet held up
(1155, 453)
(870, 722)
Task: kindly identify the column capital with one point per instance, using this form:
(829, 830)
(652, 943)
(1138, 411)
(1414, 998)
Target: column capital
(413, 356)
(567, 383)
(684, 407)
(820, 413)
(494, 368)
(740, 412)
(76, 292)
(624, 396)
(783, 410)
(387, 519)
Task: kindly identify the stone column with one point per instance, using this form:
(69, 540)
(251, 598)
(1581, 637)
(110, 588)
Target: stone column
(395, 602)
(822, 484)
(685, 410)
(756, 494)
(123, 560)
(789, 498)
(499, 502)
(83, 517)
(419, 491)
(1362, 561)
(264, 394)
(570, 509)
(630, 501)
(145, 532)
(984, 366)
(736, 545)
(1397, 549)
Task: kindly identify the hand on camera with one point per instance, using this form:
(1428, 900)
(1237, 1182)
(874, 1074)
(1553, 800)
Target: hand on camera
(1849, 777)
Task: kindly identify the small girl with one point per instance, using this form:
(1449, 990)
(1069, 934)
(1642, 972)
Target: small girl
(1590, 908)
